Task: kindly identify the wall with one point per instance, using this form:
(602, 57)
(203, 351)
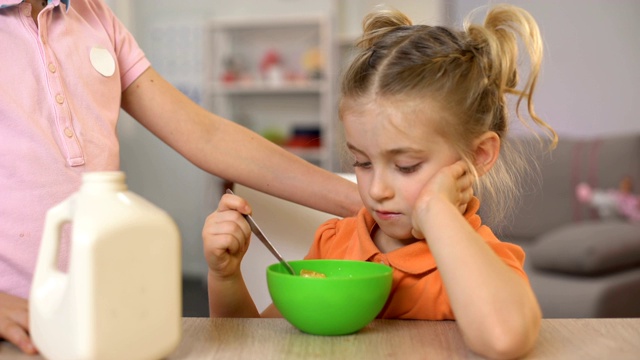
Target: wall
(590, 77)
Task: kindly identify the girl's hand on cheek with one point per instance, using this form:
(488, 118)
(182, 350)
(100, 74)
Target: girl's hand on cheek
(463, 187)
(452, 184)
(226, 236)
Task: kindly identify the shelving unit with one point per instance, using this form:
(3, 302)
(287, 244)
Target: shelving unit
(274, 100)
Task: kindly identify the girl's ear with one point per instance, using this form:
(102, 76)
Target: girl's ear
(486, 151)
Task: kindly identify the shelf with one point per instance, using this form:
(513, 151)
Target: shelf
(271, 22)
(275, 72)
(258, 88)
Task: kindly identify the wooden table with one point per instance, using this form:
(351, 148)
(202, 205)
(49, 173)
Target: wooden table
(205, 338)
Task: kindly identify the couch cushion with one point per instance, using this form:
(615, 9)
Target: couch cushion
(589, 248)
(549, 203)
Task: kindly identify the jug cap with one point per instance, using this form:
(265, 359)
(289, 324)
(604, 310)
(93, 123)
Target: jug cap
(104, 180)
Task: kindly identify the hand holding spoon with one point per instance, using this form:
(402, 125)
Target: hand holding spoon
(260, 235)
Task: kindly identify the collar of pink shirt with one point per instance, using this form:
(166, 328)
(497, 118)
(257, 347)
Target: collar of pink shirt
(7, 3)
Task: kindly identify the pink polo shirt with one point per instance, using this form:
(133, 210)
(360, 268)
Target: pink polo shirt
(58, 114)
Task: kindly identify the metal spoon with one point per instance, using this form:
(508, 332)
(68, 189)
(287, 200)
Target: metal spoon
(258, 232)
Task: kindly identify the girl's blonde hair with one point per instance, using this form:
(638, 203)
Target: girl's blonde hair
(469, 73)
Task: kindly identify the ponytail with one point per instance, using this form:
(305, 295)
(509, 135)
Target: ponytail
(497, 41)
(377, 25)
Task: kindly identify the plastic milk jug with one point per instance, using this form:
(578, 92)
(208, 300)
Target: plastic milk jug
(120, 297)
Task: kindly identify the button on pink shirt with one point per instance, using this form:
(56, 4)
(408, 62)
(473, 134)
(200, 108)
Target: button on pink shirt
(58, 117)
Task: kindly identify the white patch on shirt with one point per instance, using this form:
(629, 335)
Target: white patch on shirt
(102, 61)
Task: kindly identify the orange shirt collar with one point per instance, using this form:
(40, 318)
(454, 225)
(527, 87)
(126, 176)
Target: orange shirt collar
(415, 258)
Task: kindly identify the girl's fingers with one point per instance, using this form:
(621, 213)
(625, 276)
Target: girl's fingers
(233, 202)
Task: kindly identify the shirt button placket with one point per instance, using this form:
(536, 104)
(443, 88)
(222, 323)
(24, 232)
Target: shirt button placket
(63, 120)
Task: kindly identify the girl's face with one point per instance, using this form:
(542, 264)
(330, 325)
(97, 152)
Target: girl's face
(395, 151)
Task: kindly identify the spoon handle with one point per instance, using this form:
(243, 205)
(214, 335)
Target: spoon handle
(260, 235)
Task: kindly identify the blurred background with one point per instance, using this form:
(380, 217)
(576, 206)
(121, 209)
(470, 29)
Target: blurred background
(274, 66)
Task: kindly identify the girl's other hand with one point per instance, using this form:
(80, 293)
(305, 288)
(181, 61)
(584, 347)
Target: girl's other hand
(226, 235)
(453, 183)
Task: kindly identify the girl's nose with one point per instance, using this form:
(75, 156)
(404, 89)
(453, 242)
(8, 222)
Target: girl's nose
(380, 189)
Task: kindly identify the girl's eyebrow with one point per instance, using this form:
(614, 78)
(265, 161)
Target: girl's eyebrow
(353, 148)
(396, 151)
(404, 150)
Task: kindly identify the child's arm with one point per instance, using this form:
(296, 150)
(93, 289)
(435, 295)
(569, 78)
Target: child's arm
(226, 236)
(495, 308)
(205, 139)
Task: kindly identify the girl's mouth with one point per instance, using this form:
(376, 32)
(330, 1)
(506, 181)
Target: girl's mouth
(386, 215)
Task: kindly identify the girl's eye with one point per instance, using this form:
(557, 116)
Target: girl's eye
(408, 169)
(359, 164)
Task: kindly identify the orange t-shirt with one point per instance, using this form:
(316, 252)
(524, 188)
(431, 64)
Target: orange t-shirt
(417, 291)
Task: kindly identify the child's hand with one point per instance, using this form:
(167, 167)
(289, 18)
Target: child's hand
(14, 322)
(226, 236)
(453, 183)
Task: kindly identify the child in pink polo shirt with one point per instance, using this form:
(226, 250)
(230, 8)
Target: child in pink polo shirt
(425, 114)
(67, 69)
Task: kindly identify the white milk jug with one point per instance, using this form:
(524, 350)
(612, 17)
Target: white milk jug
(121, 295)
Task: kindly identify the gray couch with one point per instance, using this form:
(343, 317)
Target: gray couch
(579, 265)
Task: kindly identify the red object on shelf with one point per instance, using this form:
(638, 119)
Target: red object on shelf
(229, 77)
(305, 137)
(270, 58)
(304, 141)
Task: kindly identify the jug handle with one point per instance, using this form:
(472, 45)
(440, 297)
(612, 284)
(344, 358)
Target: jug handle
(47, 262)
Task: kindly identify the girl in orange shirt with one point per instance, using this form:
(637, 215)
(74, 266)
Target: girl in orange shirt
(425, 114)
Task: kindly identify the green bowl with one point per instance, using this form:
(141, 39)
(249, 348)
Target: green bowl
(349, 298)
